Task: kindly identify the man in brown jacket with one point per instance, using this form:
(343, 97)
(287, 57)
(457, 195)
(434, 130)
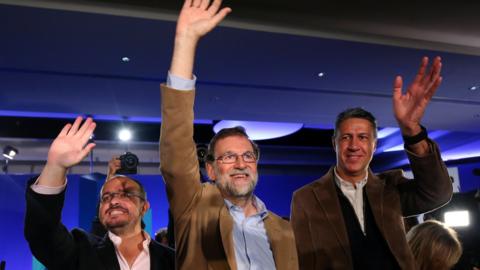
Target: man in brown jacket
(353, 219)
(219, 225)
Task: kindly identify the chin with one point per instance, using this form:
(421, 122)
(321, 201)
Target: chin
(115, 224)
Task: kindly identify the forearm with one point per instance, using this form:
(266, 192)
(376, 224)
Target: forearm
(47, 237)
(431, 186)
(183, 56)
(178, 156)
(52, 176)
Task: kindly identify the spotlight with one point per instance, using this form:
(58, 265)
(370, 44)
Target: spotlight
(10, 152)
(457, 218)
(125, 135)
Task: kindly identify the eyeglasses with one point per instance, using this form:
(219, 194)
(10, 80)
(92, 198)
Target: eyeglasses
(107, 197)
(229, 158)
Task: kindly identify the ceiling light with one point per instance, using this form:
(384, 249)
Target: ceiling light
(125, 135)
(321, 74)
(261, 130)
(125, 59)
(10, 152)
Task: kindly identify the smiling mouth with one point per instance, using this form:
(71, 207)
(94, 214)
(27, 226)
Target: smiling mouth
(240, 175)
(116, 211)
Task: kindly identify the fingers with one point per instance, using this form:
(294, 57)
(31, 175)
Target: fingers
(204, 4)
(397, 87)
(73, 130)
(187, 4)
(65, 130)
(86, 129)
(431, 91)
(419, 78)
(86, 150)
(221, 15)
(197, 3)
(214, 7)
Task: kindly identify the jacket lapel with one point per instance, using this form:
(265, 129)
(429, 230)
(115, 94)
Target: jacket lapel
(374, 190)
(226, 230)
(107, 255)
(326, 194)
(273, 234)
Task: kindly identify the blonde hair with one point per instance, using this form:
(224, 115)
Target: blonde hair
(434, 245)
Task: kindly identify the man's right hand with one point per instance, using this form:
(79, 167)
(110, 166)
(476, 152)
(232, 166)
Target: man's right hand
(68, 149)
(197, 18)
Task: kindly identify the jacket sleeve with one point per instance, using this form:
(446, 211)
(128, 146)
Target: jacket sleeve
(178, 156)
(49, 240)
(431, 187)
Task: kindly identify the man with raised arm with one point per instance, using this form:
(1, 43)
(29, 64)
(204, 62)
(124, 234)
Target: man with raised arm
(352, 218)
(123, 203)
(219, 225)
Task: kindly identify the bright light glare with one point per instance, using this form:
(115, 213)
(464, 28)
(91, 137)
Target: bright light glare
(457, 218)
(261, 130)
(11, 154)
(125, 135)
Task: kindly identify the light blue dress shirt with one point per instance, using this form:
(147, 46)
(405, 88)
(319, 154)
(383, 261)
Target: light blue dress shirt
(252, 248)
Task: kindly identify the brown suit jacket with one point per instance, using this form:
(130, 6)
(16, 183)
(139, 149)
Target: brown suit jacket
(317, 219)
(203, 225)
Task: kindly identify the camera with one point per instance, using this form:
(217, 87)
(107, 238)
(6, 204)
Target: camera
(128, 163)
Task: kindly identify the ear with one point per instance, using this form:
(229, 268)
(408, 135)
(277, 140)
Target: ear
(375, 145)
(210, 171)
(334, 144)
(146, 206)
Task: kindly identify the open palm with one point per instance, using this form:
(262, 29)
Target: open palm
(410, 107)
(198, 17)
(70, 147)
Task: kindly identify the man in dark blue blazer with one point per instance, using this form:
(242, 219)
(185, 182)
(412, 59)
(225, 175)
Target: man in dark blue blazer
(122, 205)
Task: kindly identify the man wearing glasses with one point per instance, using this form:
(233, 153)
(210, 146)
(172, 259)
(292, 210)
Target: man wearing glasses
(123, 203)
(221, 225)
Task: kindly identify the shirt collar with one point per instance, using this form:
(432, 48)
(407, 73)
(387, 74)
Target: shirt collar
(117, 240)
(340, 182)
(259, 205)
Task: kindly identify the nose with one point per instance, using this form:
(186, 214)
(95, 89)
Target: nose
(353, 144)
(240, 163)
(115, 199)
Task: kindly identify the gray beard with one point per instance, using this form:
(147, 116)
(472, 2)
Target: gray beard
(229, 189)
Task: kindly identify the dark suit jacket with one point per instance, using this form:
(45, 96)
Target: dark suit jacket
(57, 248)
(317, 219)
(203, 225)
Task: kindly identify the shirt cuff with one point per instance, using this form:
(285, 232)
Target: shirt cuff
(179, 83)
(46, 190)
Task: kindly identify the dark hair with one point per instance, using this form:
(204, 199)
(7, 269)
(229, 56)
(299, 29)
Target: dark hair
(229, 132)
(355, 113)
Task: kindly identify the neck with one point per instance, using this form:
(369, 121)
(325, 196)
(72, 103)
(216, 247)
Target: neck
(352, 178)
(246, 203)
(127, 233)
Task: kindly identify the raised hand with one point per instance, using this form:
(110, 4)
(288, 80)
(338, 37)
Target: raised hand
(113, 166)
(199, 17)
(68, 149)
(409, 107)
